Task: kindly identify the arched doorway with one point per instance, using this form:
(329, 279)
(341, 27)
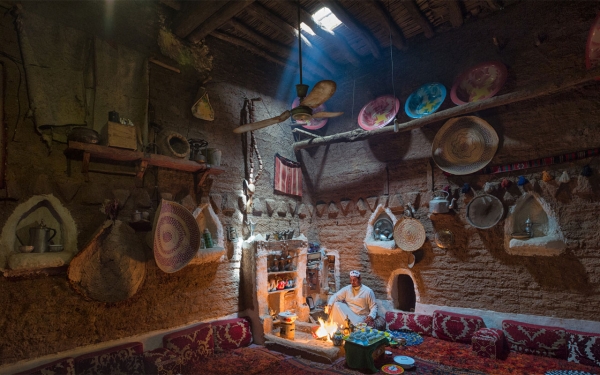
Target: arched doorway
(402, 290)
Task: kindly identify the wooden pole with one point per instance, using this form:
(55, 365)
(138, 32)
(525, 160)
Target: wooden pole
(514, 97)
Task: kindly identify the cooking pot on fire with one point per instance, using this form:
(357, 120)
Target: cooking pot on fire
(439, 204)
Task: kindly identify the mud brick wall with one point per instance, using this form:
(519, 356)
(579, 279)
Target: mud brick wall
(476, 272)
(41, 315)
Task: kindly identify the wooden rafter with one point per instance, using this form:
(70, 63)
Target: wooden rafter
(337, 41)
(254, 49)
(194, 13)
(175, 4)
(514, 97)
(265, 15)
(415, 13)
(222, 15)
(278, 48)
(454, 12)
(394, 30)
(341, 13)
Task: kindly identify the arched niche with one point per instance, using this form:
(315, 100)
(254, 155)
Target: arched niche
(206, 218)
(29, 214)
(547, 239)
(401, 281)
(377, 246)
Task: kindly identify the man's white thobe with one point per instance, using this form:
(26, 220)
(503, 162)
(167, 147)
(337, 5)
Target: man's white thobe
(354, 304)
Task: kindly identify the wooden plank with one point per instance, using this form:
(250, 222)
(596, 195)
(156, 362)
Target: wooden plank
(354, 25)
(454, 13)
(393, 28)
(282, 50)
(415, 13)
(139, 176)
(175, 4)
(221, 16)
(85, 165)
(193, 15)
(562, 83)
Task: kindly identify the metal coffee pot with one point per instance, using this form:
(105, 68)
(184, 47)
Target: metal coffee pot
(40, 236)
(439, 204)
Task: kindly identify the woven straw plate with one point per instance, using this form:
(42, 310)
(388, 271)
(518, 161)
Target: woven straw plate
(464, 145)
(484, 211)
(409, 234)
(176, 237)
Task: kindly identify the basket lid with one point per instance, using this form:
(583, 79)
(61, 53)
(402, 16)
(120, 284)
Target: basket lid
(409, 234)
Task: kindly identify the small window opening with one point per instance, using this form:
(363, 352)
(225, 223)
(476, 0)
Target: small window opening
(325, 18)
(304, 27)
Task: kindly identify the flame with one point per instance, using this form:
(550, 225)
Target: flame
(326, 329)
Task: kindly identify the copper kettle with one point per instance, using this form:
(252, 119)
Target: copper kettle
(39, 237)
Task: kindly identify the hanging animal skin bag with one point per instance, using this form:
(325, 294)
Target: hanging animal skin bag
(202, 108)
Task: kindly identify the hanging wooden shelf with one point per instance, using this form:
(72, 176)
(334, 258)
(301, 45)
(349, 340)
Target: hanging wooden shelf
(88, 151)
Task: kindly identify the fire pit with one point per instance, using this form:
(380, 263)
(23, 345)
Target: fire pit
(324, 331)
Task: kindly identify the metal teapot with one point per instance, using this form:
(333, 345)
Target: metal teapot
(40, 236)
(439, 204)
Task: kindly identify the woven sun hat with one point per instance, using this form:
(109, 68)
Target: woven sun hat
(176, 237)
(464, 145)
(409, 234)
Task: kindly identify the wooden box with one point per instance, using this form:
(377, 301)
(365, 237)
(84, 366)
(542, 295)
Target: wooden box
(119, 135)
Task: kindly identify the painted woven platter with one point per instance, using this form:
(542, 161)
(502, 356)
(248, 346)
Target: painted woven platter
(464, 145)
(412, 338)
(592, 50)
(176, 237)
(392, 369)
(479, 82)
(409, 234)
(378, 112)
(425, 100)
(312, 124)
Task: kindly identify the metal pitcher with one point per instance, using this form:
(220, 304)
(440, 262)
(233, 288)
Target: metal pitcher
(439, 204)
(40, 236)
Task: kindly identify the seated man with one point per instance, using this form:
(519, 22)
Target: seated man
(355, 302)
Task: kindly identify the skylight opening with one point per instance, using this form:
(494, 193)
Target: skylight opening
(304, 27)
(325, 18)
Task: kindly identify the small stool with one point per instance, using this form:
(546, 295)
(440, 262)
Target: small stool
(488, 342)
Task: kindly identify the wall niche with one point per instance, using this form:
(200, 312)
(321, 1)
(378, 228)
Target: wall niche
(15, 233)
(547, 238)
(377, 239)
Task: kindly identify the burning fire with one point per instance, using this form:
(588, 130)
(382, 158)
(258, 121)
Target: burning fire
(326, 329)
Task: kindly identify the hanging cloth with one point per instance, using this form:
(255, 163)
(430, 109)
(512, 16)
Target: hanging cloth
(288, 176)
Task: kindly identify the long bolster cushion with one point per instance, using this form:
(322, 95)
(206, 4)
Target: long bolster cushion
(64, 366)
(191, 344)
(535, 339)
(162, 361)
(488, 342)
(125, 359)
(418, 323)
(231, 334)
(584, 348)
(455, 327)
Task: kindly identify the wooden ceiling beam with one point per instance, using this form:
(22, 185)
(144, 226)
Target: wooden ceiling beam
(454, 13)
(175, 4)
(415, 13)
(222, 15)
(194, 13)
(341, 13)
(265, 15)
(278, 48)
(314, 72)
(337, 41)
(384, 17)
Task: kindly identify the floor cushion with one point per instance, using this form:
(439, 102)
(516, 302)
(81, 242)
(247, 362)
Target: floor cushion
(64, 366)
(125, 359)
(162, 361)
(231, 334)
(418, 323)
(191, 344)
(535, 339)
(488, 342)
(584, 348)
(455, 327)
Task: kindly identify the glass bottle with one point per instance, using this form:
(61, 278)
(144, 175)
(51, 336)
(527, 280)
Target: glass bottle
(207, 238)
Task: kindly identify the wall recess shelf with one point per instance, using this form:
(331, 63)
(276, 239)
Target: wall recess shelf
(88, 152)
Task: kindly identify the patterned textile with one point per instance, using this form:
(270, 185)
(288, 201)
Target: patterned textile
(162, 361)
(567, 372)
(231, 334)
(192, 344)
(455, 327)
(64, 366)
(415, 322)
(535, 339)
(123, 359)
(412, 338)
(488, 342)
(288, 176)
(250, 360)
(584, 348)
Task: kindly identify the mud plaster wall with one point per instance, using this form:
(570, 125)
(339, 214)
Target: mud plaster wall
(41, 315)
(476, 272)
